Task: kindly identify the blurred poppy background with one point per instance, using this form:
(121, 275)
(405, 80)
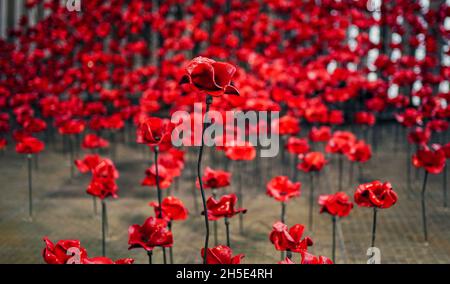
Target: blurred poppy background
(87, 161)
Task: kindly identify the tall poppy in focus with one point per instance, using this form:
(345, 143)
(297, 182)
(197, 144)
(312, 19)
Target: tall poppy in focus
(213, 79)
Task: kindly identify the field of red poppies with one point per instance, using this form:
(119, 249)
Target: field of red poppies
(116, 145)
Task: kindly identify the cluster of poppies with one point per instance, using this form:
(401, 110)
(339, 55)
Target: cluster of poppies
(115, 72)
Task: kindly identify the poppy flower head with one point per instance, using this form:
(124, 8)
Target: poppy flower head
(173, 209)
(360, 152)
(209, 76)
(155, 131)
(375, 194)
(341, 142)
(152, 233)
(57, 253)
(215, 178)
(224, 207)
(237, 152)
(221, 255)
(308, 258)
(289, 239)
(297, 146)
(320, 134)
(286, 125)
(337, 204)
(419, 136)
(432, 160)
(312, 162)
(165, 180)
(29, 145)
(282, 189)
(92, 141)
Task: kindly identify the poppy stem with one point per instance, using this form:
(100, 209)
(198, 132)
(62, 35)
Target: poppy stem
(350, 173)
(150, 254)
(30, 186)
(444, 184)
(94, 202)
(216, 242)
(170, 248)
(209, 100)
(374, 226)
(158, 189)
(295, 174)
(341, 162)
(424, 214)
(240, 198)
(283, 212)
(72, 156)
(227, 228)
(333, 248)
(103, 227)
(311, 201)
(289, 254)
(408, 167)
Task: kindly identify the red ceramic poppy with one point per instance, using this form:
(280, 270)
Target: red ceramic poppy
(57, 254)
(282, 189)
(72, 126)
(432, 160)
(446, 149)
(64, 251)
(337, 204)
(419, 136)
(215, 178)
(165, 180)
(209, 76)
(3, 143)
(365, 118)
(438, 125)
(152, 233)
(291, 239)
(221, 255)
(411, 117)
(102, 187)
(308, 258)
(286, 125)
(297, 146)
(105, 260)
(88, 163)
(360, 152)
(173, 209)
(224, 207)
(320, 134)
(312, 162)
(375, 194)
(92, 141)
(236, 152)
(29, 145)
(287, 260)
(341, 142)
(154, 131)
